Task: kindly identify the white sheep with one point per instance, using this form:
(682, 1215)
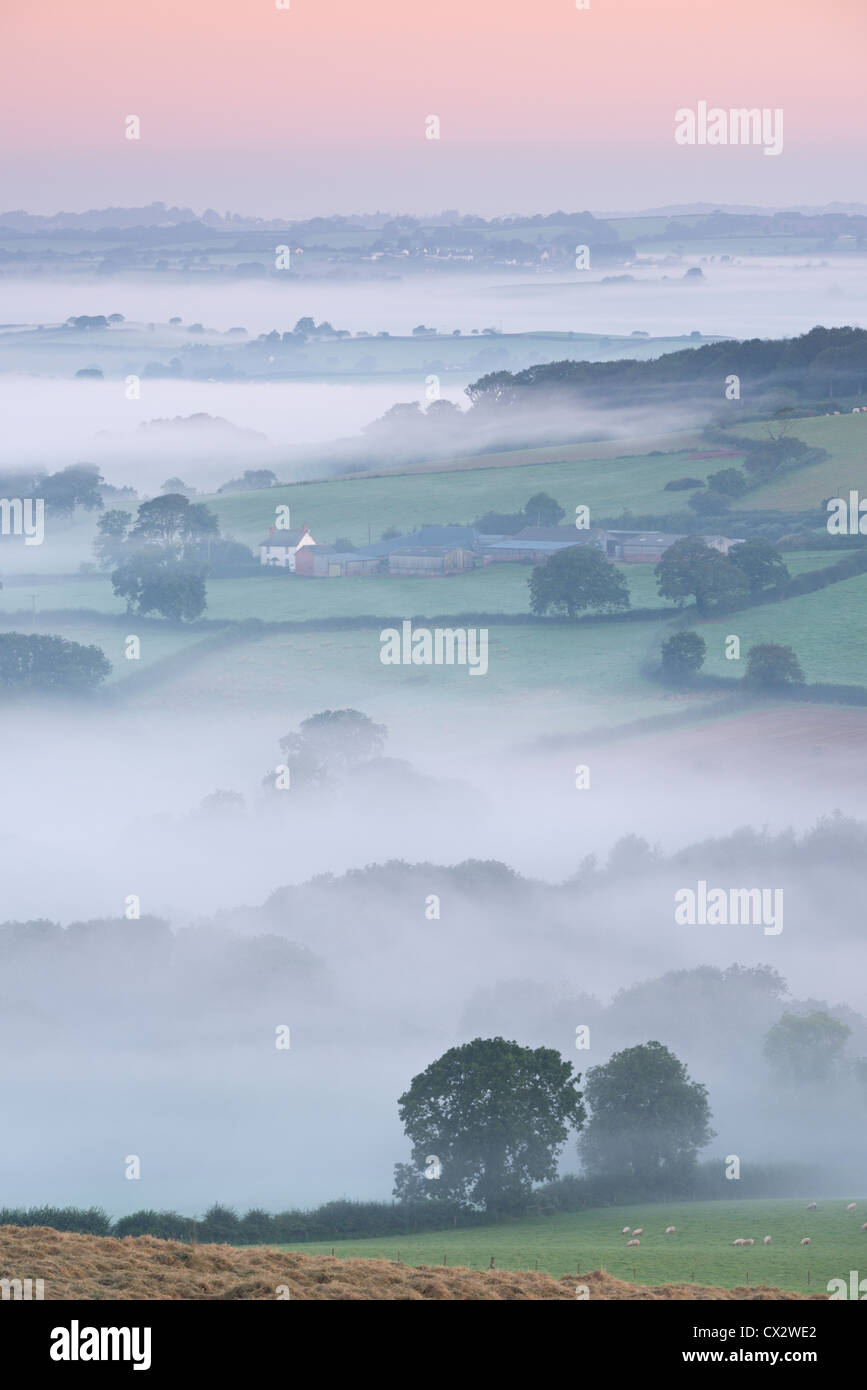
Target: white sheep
(766, 1241)
(812, 1206)
(740, 1241)
(670, 1230)
(864, 1227)
(632, 1242)
(749, 1242)
(639, 1231)
(806, 1240)
(852, 1206)
(625, 1231)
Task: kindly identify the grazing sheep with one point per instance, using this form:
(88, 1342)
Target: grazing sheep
(811, 1207)
(639, 1231)
(864, 1227)
(632, 1242)
(670, 1230)
(625, 1231)
(852, 1206)
(749, 1242)
(806, 1240)
(741, 1241)
(766, 1241)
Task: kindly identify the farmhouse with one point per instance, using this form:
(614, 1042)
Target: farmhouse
(281, 547)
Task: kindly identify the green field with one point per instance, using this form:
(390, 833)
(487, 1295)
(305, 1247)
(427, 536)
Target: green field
(826, 630)
(281, 596)
(699, 1252)
(575, 677)
(157, 643)
(845, 439)
(360, 509)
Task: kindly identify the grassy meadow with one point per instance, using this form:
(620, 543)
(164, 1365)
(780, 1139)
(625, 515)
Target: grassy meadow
(699, 1252)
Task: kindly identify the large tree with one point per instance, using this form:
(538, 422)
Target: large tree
(157, 583)
(172, 520)
(761, 562)
(806, 1047)
(691, 567)
(647, 1119)
(331, 742)
(577, 578)
(494, 1115)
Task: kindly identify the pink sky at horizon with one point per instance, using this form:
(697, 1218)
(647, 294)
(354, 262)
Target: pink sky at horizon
(322, 107)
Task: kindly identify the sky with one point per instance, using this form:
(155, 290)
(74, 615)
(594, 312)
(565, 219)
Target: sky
(322, 107)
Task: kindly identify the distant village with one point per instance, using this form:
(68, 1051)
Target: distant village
(438, 551)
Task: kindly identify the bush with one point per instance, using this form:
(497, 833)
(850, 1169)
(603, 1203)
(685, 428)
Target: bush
(770, 666)
(166, 1225)
(683, 484)
(683, 655)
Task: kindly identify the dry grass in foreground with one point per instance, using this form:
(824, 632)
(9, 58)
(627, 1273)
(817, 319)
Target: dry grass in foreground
(142, 1267)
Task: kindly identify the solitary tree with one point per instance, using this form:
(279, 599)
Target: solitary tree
(576, 578)
(332, 741)
(771, 666)
(683, 655)
(647, 1119)
(494, 1117)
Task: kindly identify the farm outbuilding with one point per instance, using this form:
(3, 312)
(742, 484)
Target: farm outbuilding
(430, 560)
(324, 562)
(646, 547)
(536, 544)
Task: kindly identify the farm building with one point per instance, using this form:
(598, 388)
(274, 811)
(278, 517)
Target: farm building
(281, 547)
(431, 560)
(324, 562)
(637, 547)
(536, 544)
(453, 537)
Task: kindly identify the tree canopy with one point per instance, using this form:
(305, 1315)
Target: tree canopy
(495, 1116)
(577, 578)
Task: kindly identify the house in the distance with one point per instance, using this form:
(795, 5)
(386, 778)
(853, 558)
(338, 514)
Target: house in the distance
(281, 547)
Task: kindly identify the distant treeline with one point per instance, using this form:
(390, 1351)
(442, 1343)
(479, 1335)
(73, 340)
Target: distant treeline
(347, 1220)
(824, 362)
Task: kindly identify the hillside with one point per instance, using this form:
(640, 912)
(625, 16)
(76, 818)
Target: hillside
(144, 1268)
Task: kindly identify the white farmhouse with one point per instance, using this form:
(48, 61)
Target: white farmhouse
(281, 546)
